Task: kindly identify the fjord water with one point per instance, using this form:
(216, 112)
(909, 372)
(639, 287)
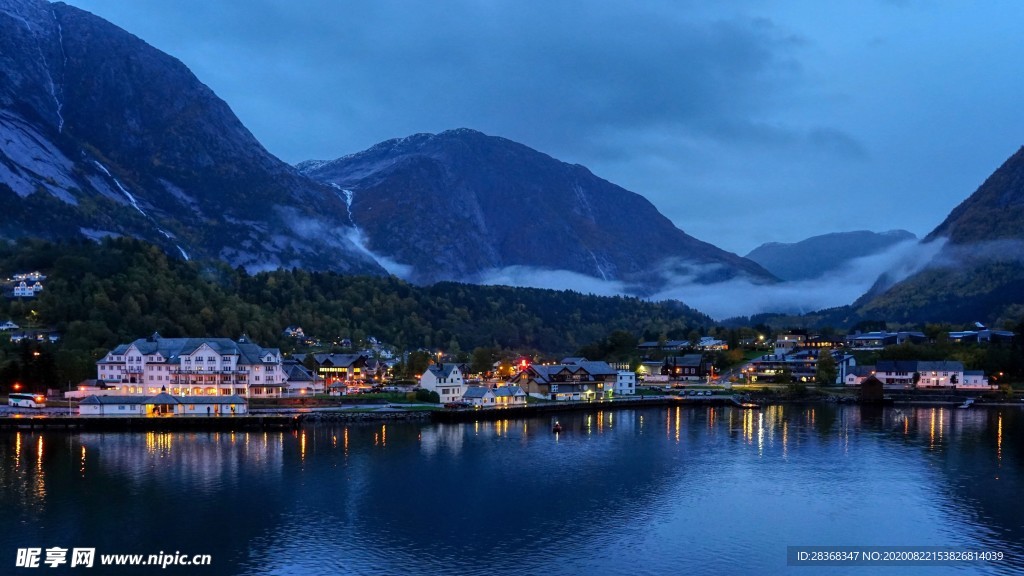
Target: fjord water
(654, 491)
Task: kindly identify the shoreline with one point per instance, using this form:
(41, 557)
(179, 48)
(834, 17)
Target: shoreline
(293, 419)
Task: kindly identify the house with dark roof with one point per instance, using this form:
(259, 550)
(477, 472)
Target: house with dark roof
(905, 374)
(445, 379)
(301, 380)
(509, 396)
(581, 380)
(192, 367)
(338, 371)
(691, 367)
(481, 396)
(163, 404)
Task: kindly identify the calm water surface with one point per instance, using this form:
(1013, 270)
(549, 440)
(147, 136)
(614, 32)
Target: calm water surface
(654, 491)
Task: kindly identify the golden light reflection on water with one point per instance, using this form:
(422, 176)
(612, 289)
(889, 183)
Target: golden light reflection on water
(931, 436)
(999, 439)
(760, 434)
(17, 450)
(383, 434)
(785, 439)
(302, 446)
(81, 469)
(159, 443)
(678, 410)
(39, 481)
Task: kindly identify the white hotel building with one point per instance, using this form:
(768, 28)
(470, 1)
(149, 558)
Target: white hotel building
(193, 367)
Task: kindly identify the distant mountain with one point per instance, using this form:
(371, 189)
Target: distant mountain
(103, 135)
(979, 273)
(816, 256)
(461, 205)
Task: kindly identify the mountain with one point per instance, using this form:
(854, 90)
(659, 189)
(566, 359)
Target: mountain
(816, 256)
(978, 275)
(465, 206)
(103, 135)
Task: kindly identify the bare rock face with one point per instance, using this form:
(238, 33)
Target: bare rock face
(102, 134)
(461, 205)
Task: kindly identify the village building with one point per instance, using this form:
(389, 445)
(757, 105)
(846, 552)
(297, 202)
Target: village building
(580, 379)
(691, 367)
(301, 380)
(479, 396)
(625, 383)
(192, 367)
(163, 404)
(339, 372)
(507, 396)
(879, 340)
(445, 379)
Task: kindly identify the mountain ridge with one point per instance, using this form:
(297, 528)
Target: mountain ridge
(105, 135)
(484, 190)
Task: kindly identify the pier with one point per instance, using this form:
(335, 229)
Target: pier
(501, 413)
(150, 424)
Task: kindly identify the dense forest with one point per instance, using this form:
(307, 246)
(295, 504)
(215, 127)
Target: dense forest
(99, 295)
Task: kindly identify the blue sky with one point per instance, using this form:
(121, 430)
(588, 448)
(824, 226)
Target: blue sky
(744, 122)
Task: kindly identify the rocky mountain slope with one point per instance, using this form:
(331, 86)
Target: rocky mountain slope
(103, 135)
(461, 205)
(816, 256)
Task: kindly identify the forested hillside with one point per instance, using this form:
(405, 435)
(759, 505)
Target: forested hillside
(99, 295)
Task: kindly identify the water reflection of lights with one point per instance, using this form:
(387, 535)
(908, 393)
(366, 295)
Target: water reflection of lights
(17, 450)
(302, 446)
(159, 443)
(760, 433)
(81, 469)
(39, 481)
(785, 439)
(931, 440)
(999, 439)
(678, 410)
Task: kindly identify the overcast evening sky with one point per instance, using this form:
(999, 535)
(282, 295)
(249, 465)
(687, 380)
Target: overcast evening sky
(744, 122)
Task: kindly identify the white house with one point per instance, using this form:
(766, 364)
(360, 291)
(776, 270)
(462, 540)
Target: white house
(163, 404)
(480, 396)
(446, 380)
(975, 380)
(8, 325)
(857, 375)
(906, 374)
(111, 406)
(625, 383)
(191, 367)
(26, 290)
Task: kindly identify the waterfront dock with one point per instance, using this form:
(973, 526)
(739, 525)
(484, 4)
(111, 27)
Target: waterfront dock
(474, 414)
(150, 424)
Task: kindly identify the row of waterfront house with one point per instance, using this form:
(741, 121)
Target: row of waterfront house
(221, 367)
